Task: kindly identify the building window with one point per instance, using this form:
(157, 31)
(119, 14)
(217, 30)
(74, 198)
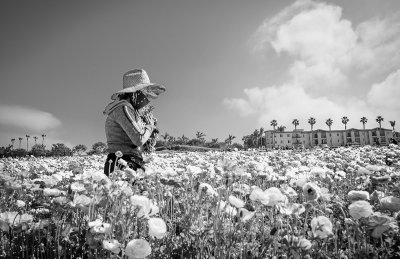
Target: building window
(288, 141)
(280, 135)
(338, 134)
(329, 134)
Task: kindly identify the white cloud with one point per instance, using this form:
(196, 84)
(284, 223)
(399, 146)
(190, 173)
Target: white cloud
(386, 94)
(333, 70)
(29, 119)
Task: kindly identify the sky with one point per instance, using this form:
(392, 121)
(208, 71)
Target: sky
(229, 66)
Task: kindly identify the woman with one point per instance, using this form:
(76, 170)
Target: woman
(128, 128)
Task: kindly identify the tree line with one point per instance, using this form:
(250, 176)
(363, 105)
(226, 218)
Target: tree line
(58, 149)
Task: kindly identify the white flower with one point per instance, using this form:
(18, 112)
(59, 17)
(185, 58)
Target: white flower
(272, 196)
(358, 195)
(51, 192)
(77, 187)
(137, 248)
(360, 209)
(20, 203)
(157, 228)
(143, 203)
(112, 245)
(311, 191)
(82, 200)
(238, 203)
(321, 227)
(256, 194)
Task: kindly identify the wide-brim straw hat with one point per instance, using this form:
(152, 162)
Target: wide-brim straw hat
(137, 79)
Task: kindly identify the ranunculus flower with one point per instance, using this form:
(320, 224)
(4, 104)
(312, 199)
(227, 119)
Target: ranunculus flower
(82, 200)
(112, 245)
(20, 203)
(321, 227)
(311, 191)
(238, 203)
(291, 209)
(104, 228)
(246, 215)
(360, 209)
(143, 203)
(273, 196)
(288, 191)
(228, 209)
(157, 228)
(391, 203)
(256, 194)
(137, 248)
(77, 187)
(358, 195)
(51, 192)
(118, 154)
(379, 223)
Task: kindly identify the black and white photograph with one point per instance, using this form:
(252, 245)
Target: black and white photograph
(221, 129)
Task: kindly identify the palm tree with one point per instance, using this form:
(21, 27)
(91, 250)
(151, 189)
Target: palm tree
(229, 139)
(183, 139)
(295, 122)
(379, 119)
(214, 140)
(392, 124)
(274, 123)
(20, 139)
(345, 120)
(35, 138)
(12, 143)
(165, 136)
(311, 121)
(281, 128)
(364, 120)
(27, 142)
(200, 136)
(43, 136)
(260, 134)
(329, 122)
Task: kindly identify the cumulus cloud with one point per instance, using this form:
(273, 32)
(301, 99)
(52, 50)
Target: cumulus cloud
(28, 119)
(337, 69)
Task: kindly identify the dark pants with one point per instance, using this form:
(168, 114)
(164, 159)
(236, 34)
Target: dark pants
(134, 163)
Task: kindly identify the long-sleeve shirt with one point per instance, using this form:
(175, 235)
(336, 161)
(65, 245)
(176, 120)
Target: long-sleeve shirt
(125, 130)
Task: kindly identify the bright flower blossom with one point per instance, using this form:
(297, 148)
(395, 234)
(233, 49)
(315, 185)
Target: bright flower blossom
(358, 195)
(321, 227)
(311, 191)
(360, 209)
(238, 203)
(391, 203)
(157, 228)
(112, 245)
(137, 248)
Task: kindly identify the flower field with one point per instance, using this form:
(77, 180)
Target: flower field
(320, 203)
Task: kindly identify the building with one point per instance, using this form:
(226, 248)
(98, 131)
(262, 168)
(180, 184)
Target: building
(333, 138)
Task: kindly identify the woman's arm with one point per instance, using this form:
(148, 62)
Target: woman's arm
(133, 126)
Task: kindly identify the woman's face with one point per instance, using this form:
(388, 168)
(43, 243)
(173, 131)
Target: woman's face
(140, 101)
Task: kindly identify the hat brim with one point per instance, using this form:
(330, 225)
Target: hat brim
(152, 91)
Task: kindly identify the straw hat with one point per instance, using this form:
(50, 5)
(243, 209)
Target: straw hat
(137, 79)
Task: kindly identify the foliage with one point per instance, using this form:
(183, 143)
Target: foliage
(38, 150)
(341, 203)
(79, 149)
(99, 148)
(60, 149)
